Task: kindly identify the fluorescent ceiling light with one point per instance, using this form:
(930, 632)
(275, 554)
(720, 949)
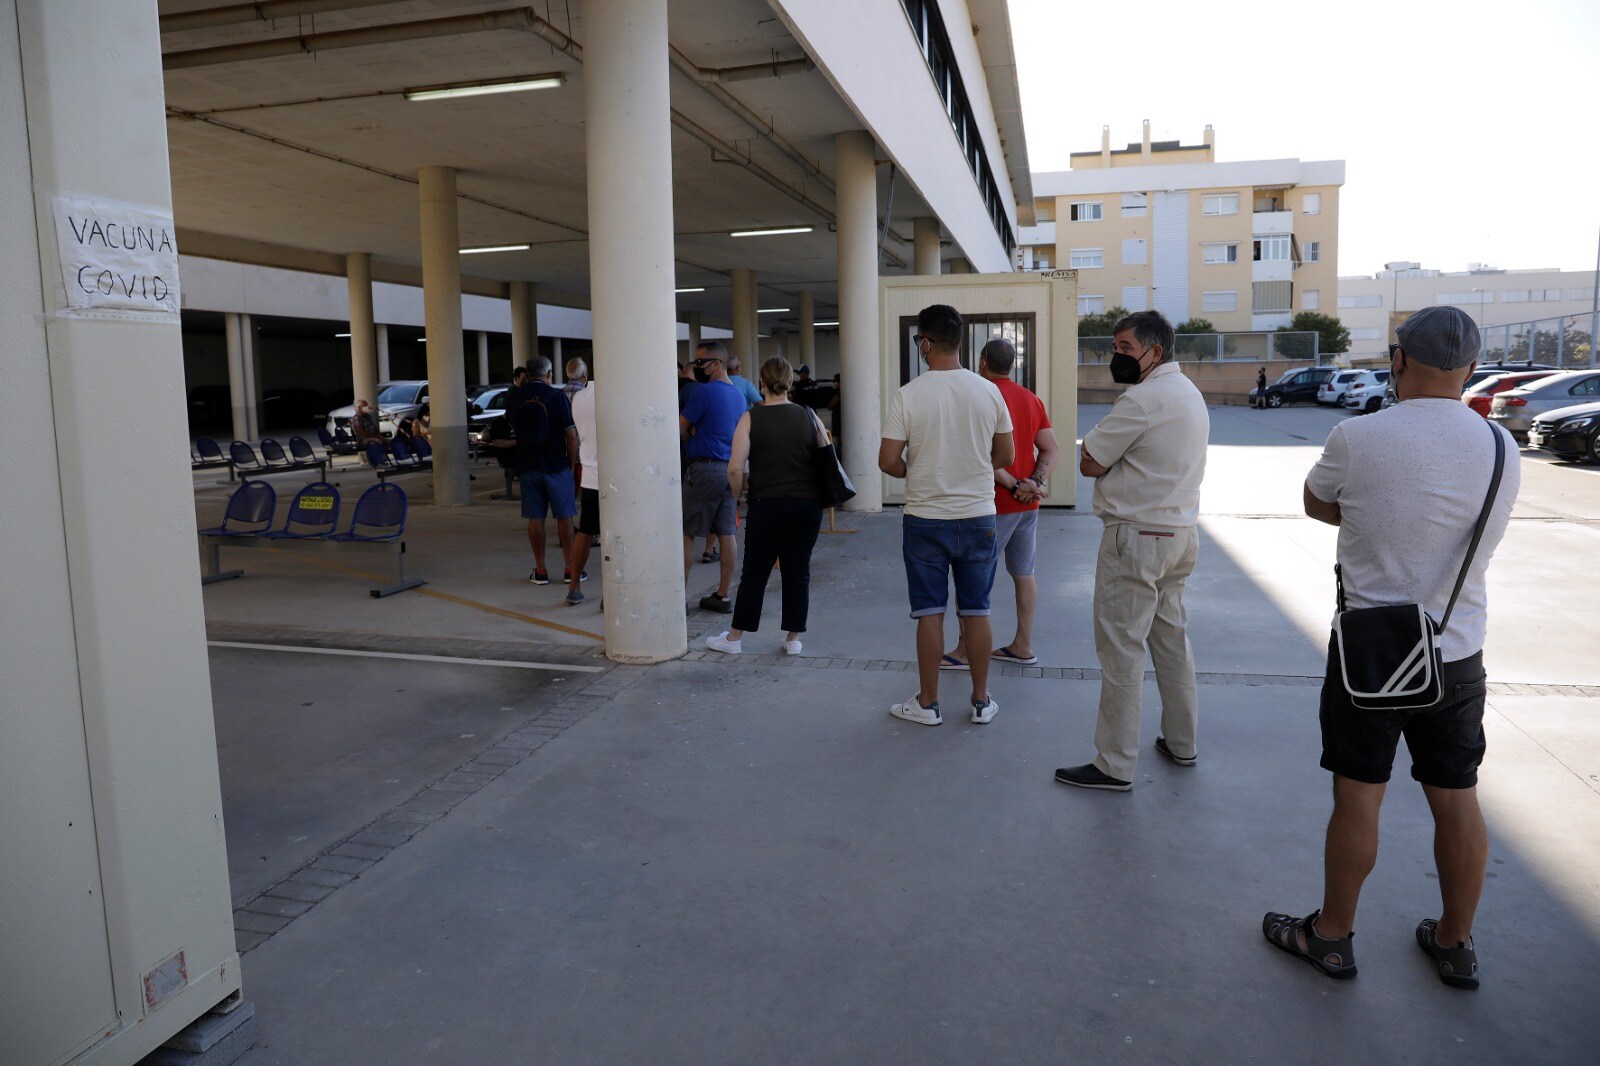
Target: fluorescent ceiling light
(700, 288)
(336, 335)
(824, 323)
(488, 88)
(771, 231)
(422, 340)
(496, 248)
(771, 310)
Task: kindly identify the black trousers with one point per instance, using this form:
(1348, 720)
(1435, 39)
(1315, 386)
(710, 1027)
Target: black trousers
(777, 531)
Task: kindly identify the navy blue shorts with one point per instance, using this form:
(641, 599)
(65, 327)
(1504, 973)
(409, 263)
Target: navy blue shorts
(543, 492)
(936, 548)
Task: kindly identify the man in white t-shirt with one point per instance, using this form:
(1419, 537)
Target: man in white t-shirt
(946, 433)
(1405, 487)
(588, 530)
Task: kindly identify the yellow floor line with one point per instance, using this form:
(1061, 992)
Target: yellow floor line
(464, 602)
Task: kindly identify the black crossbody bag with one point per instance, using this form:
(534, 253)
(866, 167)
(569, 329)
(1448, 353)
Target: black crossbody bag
(1390, 657)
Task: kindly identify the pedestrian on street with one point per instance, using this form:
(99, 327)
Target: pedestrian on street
(547, 450)
(706, 424)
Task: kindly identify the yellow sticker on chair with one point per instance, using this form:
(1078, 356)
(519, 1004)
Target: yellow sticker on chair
(316, 503)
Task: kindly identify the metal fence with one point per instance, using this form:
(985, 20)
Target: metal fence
(1567, 341)
(1223, 347)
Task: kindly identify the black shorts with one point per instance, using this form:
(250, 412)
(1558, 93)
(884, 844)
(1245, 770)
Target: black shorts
(1446, 741)
(589, 512)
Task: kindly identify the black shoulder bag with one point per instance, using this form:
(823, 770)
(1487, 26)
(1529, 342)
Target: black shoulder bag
(833, 484)
(1390, 657)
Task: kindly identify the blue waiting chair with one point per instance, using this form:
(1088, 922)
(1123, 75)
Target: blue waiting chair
(341, 441)
(403, 456)
(249, 512)
(207, 452)
(423, 450)
(242, 459)
(314, 513)
(377, 457)
(302, 452)
(272, 453)
(380, 514)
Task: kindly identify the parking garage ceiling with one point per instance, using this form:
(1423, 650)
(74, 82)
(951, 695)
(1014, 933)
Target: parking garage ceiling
(318, 149)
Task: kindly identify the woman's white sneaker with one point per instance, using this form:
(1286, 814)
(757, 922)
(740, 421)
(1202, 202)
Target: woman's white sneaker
(912, 710)
(791, 647)
(721, 643)
(984, 711)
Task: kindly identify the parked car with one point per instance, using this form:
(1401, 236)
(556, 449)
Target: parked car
(1480, 397)
(1517, 408)
(1331, 392)
(1568, 432)
(396, 400)
(1489, 370)
(485, 408)
(1365, 393)
(479, 390)
(1297, 386)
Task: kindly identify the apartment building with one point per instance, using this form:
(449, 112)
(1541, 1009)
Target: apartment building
(1164, 225)
(1372, 305)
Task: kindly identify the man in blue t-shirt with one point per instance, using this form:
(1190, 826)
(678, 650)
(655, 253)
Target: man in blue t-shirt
(709, 417)
(547, 450)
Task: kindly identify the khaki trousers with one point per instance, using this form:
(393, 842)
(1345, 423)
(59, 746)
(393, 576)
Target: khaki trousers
(1138, 602)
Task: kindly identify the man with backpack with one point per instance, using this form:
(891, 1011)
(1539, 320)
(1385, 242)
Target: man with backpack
(547, 450)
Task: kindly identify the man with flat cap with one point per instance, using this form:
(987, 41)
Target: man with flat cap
(1405, 486)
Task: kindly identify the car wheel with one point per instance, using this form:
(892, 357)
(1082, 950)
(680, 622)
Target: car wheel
(1373, 404)
(1275, 400)
(1594, 446)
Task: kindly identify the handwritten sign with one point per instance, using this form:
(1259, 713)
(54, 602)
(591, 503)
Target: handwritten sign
(117, 260)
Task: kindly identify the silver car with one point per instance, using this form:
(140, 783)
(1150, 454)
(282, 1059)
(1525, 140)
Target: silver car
(1517, 408)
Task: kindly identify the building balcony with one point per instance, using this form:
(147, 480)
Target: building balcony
(1043, 233)
(1272, 270)
(1272, 223)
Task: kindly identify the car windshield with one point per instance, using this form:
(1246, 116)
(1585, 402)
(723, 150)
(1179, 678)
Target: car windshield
(396, 395)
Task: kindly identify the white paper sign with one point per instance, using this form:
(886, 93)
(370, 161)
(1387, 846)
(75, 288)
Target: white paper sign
(117, 260)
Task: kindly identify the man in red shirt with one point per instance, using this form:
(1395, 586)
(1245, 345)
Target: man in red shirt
(1018, 489)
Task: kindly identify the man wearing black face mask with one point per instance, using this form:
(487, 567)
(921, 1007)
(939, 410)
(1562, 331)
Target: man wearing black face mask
(1147, 456)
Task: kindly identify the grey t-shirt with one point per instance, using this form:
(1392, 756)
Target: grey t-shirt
(1409, 483)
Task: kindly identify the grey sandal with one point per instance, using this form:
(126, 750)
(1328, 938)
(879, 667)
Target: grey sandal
(1458, 966)
(1336, 958)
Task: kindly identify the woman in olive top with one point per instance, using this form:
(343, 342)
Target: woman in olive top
(779, 439)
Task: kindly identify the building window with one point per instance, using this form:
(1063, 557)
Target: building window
(1220, 204)
(1041, 262)
(1311, 203)
(1134, 252)
(1361, 301)
(1134, 204)
(1219, 253)
(1087, 211)
(1514, 296)
(1366, 333)
(1313, 251)
(1271, 249)
(1091, 305)
(1045, 210)
(1271, 297)
(1552, 295)
(1311, 299)
(1087, 258)
(1220, 301)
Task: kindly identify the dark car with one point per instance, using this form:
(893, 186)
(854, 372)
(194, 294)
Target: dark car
(1297, 386)
(1568, 433)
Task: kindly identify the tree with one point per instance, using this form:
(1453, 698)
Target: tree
(1194, 325)
(1100, 325)
(1335, 338)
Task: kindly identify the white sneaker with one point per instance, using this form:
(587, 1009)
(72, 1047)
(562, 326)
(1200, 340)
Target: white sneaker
(721, 643)
(985, 712)
(791, 647)
(913, 711)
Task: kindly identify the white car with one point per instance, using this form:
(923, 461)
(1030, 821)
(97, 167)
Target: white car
(1332, 391)
(1365, 394)
(396, 400)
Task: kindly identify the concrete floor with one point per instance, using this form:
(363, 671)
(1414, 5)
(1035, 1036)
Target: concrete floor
(747, 860)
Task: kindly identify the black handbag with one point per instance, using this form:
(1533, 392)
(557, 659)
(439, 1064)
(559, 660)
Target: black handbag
(1390, 657)
(833, 484)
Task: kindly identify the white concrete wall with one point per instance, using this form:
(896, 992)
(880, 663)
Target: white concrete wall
(874, 62)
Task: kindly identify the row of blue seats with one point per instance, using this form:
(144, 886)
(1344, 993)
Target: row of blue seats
(399, 457)
(241, 456)
(380, 514)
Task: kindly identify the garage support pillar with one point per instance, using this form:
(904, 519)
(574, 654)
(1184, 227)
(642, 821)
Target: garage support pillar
(382, 331)
(808, 330)
(743, 312)
(363, 337)
(524, 323)
(243, 377)
(856, 179)
(631, 270)
(694, 332)
(483, 358)
(925, 246)
(441, 298)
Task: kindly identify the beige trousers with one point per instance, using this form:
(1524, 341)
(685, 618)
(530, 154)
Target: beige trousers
(1138, 603)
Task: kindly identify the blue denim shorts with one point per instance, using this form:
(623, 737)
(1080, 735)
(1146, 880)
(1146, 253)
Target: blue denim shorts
(936, 548)
(543, 492)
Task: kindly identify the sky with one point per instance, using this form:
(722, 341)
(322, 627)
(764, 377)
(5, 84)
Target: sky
(1470, 131)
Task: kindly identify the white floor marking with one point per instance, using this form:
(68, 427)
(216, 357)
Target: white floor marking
(558, 667)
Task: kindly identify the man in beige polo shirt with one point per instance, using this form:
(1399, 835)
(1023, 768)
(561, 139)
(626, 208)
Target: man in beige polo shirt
(1147, 456)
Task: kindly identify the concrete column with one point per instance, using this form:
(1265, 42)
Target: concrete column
(112, 830)
(960, 265)
(441, 299)
(483, 358)
(808, 328)
(524, 322)
(925, 246)
(856, 181)
(631, 270)
(558, 360)
(752, 302)
(382, 331)
(694, 331)
(363, 337)
(743, 314)
(243, 391)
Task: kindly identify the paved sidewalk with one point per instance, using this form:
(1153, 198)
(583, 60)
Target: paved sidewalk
(549, 859)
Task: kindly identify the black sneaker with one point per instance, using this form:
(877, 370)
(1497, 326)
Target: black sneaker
(1161, 746)
(566, 576)
(1090, 776)
(540, 577)
(716, 603)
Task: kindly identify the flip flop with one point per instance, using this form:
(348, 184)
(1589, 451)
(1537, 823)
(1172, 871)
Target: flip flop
(950, 662)
(1006, 655)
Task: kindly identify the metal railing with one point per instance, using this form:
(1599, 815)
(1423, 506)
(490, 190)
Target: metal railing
(1566, 341)
(1251, 347)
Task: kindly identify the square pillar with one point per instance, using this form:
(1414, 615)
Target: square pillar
(441, 298)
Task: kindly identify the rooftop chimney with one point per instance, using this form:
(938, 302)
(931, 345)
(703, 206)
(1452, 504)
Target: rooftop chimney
(1105, 146)
(1210, 140)
(1144, 150)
